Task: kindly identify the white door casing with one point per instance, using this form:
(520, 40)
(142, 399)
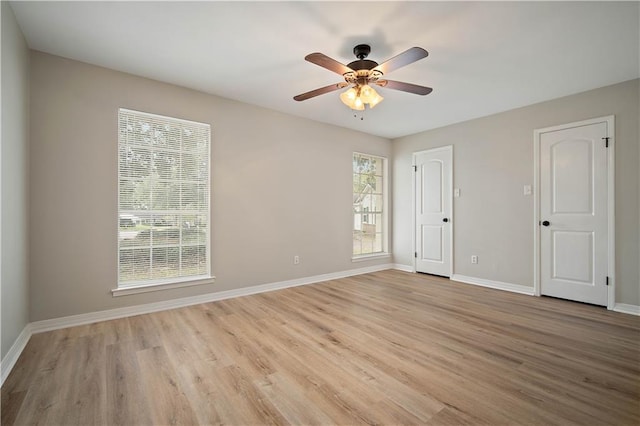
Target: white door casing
(433, 225)
(574, 200)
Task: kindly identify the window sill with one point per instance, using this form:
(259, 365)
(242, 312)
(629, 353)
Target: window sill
(366, 257)
(146, 288)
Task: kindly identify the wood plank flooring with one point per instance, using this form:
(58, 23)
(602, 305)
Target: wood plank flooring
(383, 348)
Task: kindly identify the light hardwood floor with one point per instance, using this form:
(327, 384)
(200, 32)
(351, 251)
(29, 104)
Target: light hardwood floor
(382, 348)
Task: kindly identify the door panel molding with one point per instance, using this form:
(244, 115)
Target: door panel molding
(435, 253)
(537, 136)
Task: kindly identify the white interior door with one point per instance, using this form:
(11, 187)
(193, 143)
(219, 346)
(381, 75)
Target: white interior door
(574, 212)
(433, 225)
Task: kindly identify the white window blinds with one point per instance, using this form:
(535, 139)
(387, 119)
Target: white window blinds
(163, 199)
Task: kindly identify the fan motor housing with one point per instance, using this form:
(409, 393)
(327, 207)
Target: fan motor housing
(362, 64)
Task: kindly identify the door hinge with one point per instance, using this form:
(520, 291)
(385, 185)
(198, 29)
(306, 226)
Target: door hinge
(415, 168)
(606, 142)
(415, 254)
(607, 280)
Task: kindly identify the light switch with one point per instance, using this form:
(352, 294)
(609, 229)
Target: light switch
(527, 190)
(456, 192)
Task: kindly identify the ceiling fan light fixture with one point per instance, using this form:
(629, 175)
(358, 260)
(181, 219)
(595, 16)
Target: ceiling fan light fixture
(358, 104)
(375, 100)
(370, 96)
(357, 97)
(366, 93)
(349, 96)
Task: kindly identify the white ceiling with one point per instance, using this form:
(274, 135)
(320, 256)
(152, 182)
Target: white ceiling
(484, 57)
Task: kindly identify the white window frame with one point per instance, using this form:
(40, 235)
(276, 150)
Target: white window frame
(149, 285)
(385, 211)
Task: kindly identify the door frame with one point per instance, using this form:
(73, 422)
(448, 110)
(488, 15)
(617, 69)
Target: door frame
(611, 269)
(413, 204)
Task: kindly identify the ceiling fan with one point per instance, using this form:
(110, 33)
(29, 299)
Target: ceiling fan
(362, 73)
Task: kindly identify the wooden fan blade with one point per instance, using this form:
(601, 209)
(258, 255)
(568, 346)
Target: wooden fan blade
(405, 87)
(326, 62)
(405, 58)
(320, 91)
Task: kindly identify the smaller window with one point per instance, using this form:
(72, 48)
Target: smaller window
(369, 205)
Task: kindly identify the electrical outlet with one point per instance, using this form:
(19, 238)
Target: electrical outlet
(527, 190)
(474, 259)
(296, 260)
(456, 192)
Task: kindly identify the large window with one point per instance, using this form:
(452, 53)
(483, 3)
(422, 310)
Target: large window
(163, 199)
(369, 205)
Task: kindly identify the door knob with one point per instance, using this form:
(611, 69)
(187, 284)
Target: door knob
(546, 223)
(445, 220)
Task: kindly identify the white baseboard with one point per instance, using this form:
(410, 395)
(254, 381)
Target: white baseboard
(91, 317)
(514, 288)
(401, 267)
(627, 309)
(10, 359)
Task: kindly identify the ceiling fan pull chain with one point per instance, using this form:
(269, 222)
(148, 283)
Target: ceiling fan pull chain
(355, 115)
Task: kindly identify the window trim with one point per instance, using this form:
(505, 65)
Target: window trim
(385, 212)
(123, 289)
(157, 286)
(370, 256)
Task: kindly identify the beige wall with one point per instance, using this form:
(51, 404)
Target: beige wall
(493, 159)
(14, 178)
(278, 187)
